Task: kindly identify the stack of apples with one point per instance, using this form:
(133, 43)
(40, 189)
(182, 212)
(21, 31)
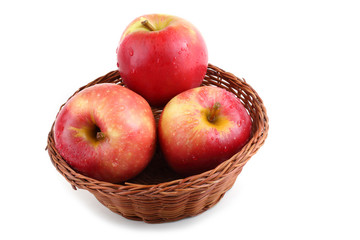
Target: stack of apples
(108, 132)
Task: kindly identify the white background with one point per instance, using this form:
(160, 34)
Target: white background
(302, 57)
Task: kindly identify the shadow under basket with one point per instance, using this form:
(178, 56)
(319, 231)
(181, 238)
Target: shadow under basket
(158, 194)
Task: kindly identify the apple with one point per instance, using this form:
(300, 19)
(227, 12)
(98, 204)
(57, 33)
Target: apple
(160, 56)
(106, 132)
(202, 127)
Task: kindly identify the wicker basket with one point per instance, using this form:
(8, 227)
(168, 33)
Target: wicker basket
(158, 194)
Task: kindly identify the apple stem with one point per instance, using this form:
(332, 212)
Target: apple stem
(214, 111)
(148, 25)
(100, 136)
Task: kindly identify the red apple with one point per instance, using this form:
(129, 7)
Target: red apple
(202, 127)
(160, 56)
(106, 132)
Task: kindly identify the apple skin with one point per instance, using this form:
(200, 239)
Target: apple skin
(160, 64)
(128, 132)
(190, 142)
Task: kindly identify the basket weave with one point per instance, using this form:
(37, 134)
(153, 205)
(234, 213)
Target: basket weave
(158, 194)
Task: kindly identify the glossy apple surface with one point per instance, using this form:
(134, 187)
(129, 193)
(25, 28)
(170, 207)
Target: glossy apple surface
(106, 132)
(202, 127)
(162, 62)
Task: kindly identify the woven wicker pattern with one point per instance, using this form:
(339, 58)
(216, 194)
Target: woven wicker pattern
(158, 194)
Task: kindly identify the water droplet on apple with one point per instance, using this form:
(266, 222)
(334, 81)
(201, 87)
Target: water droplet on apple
(131, 52)
(194, 158)
(225, 149)
(179, 52)
(117, 64)
(157, 60)
(238, 123)
(133, 71)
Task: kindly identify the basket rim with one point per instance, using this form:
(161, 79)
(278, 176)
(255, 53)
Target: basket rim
(237, 161)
